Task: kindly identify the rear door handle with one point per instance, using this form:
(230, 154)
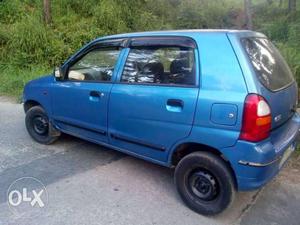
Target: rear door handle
(174, 105)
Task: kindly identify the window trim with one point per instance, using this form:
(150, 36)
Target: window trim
(196, 58)
(160, 85)
(165, 41)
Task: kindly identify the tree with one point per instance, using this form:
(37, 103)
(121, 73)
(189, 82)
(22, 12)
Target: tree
(292, 6)
(248, 14)
(47, 11)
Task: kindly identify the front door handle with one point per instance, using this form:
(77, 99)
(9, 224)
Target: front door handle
(175, 105)
(96, 94)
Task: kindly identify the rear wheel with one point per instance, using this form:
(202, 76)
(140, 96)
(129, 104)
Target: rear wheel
(37, 125)
(204, 183)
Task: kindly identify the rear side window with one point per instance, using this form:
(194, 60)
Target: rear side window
(270, 67)
(160, 65)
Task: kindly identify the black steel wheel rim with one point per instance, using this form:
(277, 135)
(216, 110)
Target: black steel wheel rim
(203, 185)
(40, 125)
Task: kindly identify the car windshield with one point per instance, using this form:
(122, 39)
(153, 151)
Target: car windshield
(270, 67)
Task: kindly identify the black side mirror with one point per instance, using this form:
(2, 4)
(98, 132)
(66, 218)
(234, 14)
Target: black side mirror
(58, 74)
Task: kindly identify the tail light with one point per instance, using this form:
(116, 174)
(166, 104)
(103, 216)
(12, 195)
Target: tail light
(257, 119)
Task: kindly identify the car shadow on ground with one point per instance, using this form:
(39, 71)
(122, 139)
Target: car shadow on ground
(76, 159)
(83, 156)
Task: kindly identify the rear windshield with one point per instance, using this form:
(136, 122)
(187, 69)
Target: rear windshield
(270, 67)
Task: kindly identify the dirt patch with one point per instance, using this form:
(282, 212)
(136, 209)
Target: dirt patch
(8, 99)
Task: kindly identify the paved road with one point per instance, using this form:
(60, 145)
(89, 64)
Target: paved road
(89, 184)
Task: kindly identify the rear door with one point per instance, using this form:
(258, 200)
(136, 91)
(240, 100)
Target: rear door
(153, 103)
(275, 80)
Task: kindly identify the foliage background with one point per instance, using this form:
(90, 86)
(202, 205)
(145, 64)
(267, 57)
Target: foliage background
(29, 48)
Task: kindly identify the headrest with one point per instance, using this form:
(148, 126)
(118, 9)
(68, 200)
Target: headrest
(179, 66)
(155, 68)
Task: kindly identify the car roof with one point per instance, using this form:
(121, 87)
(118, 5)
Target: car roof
(190, 32)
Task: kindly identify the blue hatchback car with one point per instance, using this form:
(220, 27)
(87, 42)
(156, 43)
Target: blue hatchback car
(219, 106)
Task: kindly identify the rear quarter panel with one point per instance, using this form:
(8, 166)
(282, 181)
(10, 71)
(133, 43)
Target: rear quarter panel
(221, 82)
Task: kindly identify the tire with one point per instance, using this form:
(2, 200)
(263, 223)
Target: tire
(37, 125)
(205, 183)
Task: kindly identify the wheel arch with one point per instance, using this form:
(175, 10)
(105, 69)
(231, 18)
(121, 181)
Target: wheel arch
(31, 103)
(184, 149)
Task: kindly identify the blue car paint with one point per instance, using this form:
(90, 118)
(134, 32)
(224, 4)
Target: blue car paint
(249, 177)
(89, 113)
(39, 90)
(141, 113)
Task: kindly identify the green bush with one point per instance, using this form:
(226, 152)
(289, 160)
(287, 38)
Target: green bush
(205, 14)
(13, 78)
(11, 11)
(284, 30)
(27, 43)
(292, 57)
(35, 43)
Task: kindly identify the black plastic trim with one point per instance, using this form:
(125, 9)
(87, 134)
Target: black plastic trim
(138, 142)
(162, 41)
(158, 84)
(102, 132)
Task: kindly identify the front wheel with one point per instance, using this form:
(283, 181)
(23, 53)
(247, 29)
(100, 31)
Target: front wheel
(37, 125)
(205, 183)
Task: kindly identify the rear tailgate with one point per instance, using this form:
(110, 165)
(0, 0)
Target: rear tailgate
(275, 81)
(282, 103)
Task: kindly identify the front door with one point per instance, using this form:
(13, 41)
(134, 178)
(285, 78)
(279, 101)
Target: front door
(80, 101)
(153, 104)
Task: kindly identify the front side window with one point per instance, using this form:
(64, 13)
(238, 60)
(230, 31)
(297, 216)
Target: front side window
(97, 65)
(160, 65)
(270, 67)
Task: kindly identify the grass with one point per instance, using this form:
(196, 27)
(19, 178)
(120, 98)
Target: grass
(13, 79)
(25, 41)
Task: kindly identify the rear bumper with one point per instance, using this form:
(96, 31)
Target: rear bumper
(255, 164)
